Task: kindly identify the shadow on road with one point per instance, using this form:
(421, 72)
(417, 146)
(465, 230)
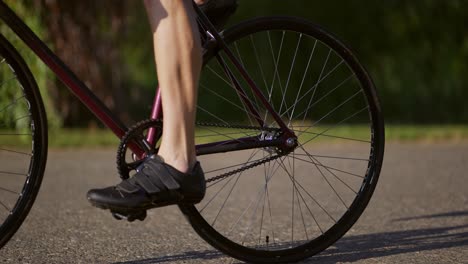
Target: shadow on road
(359, 247)
(450, 214)
(354, 248)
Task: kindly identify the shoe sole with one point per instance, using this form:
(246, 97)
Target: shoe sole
(180, 200)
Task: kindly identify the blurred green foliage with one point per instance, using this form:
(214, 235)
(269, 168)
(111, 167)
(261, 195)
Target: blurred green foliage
(416, 51)
(42, 75)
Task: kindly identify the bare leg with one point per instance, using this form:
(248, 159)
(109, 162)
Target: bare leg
(177, 50)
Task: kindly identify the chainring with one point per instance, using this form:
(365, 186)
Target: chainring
(135, 134)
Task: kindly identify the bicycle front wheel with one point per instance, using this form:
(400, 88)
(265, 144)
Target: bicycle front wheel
(266, 206)
(23, 140)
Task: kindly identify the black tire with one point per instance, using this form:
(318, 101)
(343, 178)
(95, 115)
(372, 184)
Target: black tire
(23, 146)
(296, 250)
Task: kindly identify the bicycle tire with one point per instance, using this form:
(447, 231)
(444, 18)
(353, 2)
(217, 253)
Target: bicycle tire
(300, 250)
(21, 172)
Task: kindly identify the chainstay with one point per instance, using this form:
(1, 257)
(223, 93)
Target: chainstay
(248, 167)
(269, 129)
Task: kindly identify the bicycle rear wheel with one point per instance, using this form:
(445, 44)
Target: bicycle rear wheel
(271, 207)
(23, 140)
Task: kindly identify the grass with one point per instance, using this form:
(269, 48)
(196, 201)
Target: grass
(427, 133)
(64, 138)
(97, 138)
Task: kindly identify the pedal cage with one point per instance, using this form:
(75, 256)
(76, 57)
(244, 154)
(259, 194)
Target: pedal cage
(130, 216)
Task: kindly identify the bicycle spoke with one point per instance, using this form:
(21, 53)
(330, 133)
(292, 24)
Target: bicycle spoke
(321, 98)
(298, 184)
(243, 98)
(289, 75)
(302, 217)
(213, 115)
(232, 166)
(225, 135)
(15, 151)
(261, 219)
(244, 65)
(265, 197)
(298, 201)
(338, 178)
(4, 206)
(13, 173)
(8, 80)
(337, 124)
(326, 179)
(259, 65)
(225, 200)
(276, 61)
(231, 85)
(252, 217)
(269, 203)
(238, 54)
(17, 134)
(230, 191)
(333, 157)
(216, 194)
(8, 190)
(316, 85)
(330, 136)
(302, 84)
(15, 101)
(17, 119)
(318, 163)
(233, 133)
(328, 167)
(336, 108)
(250, 204)
(219, 76)
(228, 101)
(292, 207)
(312, 89)
(219, 119)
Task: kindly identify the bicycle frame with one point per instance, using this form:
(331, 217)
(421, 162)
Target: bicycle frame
(103, 113)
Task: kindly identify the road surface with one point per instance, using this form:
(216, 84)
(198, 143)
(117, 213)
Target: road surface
(419, 214)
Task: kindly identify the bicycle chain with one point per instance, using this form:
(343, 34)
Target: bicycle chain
(234, 172)
(123, 144)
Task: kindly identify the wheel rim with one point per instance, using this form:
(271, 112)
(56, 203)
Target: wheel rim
(17, 149)
(246, 208)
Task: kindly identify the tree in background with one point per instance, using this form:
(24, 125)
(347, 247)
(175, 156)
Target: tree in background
(85, 34)
(416, 51)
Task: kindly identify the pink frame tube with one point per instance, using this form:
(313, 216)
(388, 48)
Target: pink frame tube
(156, 113)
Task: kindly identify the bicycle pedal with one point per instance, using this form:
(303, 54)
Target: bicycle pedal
(130, 216)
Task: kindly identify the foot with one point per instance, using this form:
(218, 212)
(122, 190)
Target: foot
(219, 11)
(156, 184)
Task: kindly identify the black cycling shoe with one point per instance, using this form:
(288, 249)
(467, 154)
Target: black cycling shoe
(219, 11)
(156, 184)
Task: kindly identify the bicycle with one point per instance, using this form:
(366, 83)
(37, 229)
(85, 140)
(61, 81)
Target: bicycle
(261, 125)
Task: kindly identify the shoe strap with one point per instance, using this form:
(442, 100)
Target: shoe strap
(155, 176)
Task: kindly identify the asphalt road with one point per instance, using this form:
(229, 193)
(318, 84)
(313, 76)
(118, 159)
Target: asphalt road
(419, 214)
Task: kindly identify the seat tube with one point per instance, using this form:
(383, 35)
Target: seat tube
(156, 113)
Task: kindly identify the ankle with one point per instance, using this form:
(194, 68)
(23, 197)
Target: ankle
(182, 164)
